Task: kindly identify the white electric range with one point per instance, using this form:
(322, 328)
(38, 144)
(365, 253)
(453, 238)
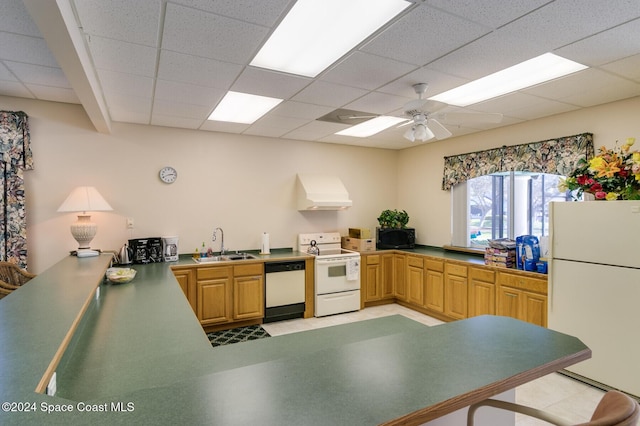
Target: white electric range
(337, 273)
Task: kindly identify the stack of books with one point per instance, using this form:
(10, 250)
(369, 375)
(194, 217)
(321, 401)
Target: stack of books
(501, 253)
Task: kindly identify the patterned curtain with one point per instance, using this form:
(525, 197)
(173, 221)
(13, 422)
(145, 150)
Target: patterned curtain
(16, 158)
(556, 156)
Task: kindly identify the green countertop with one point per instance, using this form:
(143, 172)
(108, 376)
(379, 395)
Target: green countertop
(140, 356)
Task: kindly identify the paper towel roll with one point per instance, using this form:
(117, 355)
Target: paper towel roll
(265, 244)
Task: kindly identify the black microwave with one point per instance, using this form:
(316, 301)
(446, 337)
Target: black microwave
(395, 238)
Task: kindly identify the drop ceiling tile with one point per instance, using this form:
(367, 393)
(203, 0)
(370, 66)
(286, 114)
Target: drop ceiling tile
(126, 84)
(300, 110)
(208, 35)
(490, 13)
(423, 36)
(173, 121)
(5, 74)
(129, 109)
(125, 20)
(314, 130)
(55, 94)
(266, 130)
(14, 88)
(377, 103)
(627, 67)
(604, 47)
(120, 56)
(38, 74)
(280, 122)
(524, 106)
(264, 13)
(188, 93)
(599, 84)
(269, 83)
(325, 93)
(30, 50)
(15, 19)
(366, 71)
(180, 109)
(195, 70)
(222, 126)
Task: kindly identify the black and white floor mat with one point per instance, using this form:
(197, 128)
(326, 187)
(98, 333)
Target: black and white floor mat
(236, 335)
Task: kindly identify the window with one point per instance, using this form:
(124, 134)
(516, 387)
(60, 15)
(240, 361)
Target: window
(503, 205)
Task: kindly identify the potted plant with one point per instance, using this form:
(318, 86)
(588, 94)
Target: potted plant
(393, 219)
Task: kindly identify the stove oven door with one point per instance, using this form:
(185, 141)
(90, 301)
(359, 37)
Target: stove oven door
(337, 274)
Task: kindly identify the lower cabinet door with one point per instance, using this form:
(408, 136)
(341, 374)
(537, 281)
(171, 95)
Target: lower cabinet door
(214, 304)
(248, 297)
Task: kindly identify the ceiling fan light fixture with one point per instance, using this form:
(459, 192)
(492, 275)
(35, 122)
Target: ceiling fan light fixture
(409, 135)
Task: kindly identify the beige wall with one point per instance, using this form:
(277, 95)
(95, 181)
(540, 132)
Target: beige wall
(420, 169)
(245, 185)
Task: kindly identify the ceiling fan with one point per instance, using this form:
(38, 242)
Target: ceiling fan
(423, 114)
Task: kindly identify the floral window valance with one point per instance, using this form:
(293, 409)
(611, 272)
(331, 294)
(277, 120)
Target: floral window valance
(557, 156)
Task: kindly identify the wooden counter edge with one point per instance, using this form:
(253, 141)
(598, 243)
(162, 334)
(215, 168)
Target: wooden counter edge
(461, 401)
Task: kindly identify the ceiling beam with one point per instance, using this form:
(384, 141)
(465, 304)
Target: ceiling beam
(57, 23)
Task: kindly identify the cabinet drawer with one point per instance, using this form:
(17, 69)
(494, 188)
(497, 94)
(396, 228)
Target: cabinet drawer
(373, 259)
(213, 273)
(434, 265)
(522, 282)
(483, 275)
(459, 270)
(415, 261)
(245, 270)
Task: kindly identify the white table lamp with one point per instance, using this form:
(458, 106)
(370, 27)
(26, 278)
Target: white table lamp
(84, 199)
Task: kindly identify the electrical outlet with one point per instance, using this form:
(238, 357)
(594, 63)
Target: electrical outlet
(129, 223)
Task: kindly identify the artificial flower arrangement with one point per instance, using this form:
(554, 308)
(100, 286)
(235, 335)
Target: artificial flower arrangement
(613, 174)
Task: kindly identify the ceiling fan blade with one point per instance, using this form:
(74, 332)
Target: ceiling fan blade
(438, 129)
(406, 123)
(471, 117)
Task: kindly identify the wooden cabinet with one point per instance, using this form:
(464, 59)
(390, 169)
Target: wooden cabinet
(455, 290)
(399, 276)
(227, 293)
(214, 295)
(522, 297)
(248, 291)
(370, 277)
(187, 282)
(377, 278)
(415, 280)
(482, 291)
(388, 276)
(434, 285)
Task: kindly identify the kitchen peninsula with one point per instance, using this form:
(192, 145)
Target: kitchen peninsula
(145, 359)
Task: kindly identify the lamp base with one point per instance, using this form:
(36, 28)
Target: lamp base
(84, 231)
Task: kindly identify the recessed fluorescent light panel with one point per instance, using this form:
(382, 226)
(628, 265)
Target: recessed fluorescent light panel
(528, 73)
(371, 127)
(244, 108)
(315, 33)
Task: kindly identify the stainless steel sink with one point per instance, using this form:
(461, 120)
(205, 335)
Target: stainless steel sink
(225, 257)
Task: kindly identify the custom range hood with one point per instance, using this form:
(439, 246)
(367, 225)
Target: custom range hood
(321, 192)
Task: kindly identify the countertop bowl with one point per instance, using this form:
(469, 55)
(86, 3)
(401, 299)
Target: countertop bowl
(120, 275)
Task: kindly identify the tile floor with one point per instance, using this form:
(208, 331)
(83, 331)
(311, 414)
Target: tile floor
(558, 394)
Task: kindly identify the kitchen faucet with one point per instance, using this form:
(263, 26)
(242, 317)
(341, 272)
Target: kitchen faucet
(213, 238)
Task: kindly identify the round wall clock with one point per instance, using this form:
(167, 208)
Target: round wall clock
(168, 174)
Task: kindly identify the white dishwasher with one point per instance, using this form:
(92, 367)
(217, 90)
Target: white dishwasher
(284, 290)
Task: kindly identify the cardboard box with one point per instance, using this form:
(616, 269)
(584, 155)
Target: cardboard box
(358, 244)
(363, 233)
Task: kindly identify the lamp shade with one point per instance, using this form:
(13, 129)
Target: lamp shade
(84, 199)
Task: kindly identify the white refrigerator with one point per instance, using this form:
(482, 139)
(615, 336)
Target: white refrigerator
(594, 286)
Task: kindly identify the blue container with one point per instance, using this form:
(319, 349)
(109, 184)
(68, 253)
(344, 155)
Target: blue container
(527, 252)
